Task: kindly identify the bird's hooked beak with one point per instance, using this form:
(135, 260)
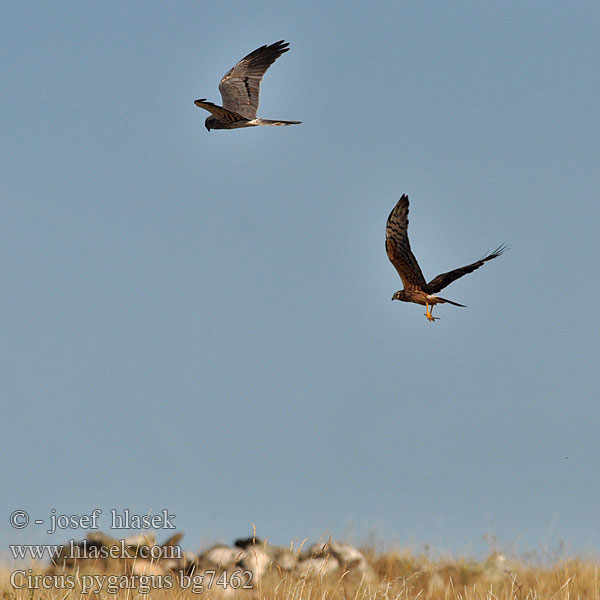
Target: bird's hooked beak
(207, 127)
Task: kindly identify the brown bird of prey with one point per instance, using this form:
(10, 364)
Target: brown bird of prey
(416, 289)
(240, 88)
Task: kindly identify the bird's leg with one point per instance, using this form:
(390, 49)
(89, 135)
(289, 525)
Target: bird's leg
(429, 312)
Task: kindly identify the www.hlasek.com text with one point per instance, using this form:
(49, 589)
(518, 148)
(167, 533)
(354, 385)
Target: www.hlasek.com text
(86, 550)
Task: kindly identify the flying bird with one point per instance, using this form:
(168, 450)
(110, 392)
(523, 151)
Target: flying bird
(416, 289)
(240, 88)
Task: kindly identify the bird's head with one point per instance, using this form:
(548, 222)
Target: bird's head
(399, 295)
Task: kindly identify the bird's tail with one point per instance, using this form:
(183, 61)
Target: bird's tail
(443, 300)
(272, 122)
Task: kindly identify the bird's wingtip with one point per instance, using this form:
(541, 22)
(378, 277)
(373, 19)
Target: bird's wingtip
(501, 249)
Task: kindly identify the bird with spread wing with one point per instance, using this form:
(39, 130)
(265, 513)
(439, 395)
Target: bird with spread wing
(240, 88)
(416, 289)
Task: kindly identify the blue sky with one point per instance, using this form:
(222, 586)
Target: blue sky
(202, 321)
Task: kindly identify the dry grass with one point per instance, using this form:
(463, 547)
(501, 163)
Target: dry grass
(398, 576)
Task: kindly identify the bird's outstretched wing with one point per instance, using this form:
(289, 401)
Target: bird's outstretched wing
(441, 281)
(398, 246)
(222, 114)
(240, 86)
